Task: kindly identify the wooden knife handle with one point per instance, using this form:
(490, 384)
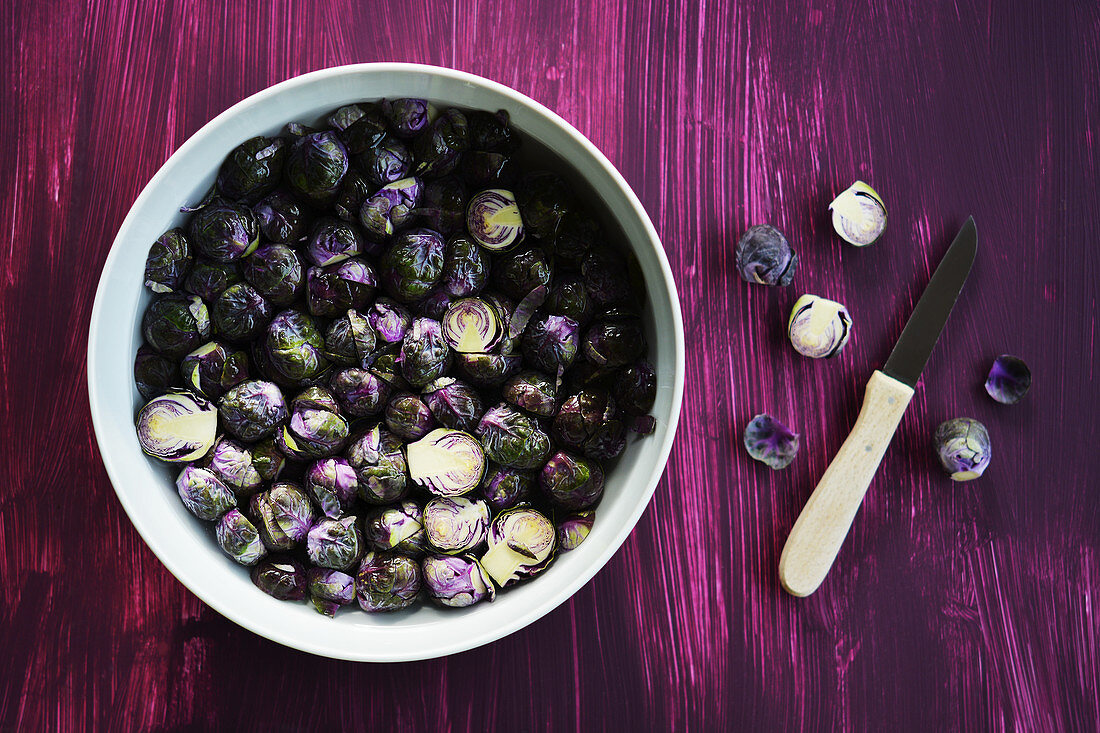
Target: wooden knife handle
(823, 524)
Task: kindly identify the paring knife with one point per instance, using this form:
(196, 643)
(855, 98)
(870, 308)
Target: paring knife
(823, 524)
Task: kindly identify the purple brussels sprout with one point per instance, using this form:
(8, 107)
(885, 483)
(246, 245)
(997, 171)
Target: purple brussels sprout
(386, 367)
(443, 205)
(385, 162)
(281, 218)
(525, 310)
(240, 313)
(454, 404)
(390, 208)
(576, 236)
(231, 462)
(588, 422)
(252, 410)
(379, 462)
(333, 241)
(280, 577)
(224, 231)
(606, 278)
(350, 340)
(177, 427)
(267, 459)
(446, 462)
(491, 132)
(252, 169)
(963, 447)
(387, 581)
(203, 493)
(435, 304)
(413, 264)
(239, 538)
(569, 298)
(399, 528)
(294, 347)
(209, 279)
(335, 289)
(493, 220)
(408, 417)
(572, 482)
(455, 525)
(168, 262)
(283, 514)
(636, 388)
(483, 169)
(425, 355)
(488, 370)
(513, 439)
(154, 374)
(532, 392)
(614, 343)
(543, 199)
(438, 149)
(359, 126)
(465, 268)
(771, 442)
(473, 326)
(275, 271)
(521, 541)
(456, 581)
(333, 485)
(317, 165)
(574, 529)
(175, 324)
(504, 488)
(550, 343)
(336, 544)
(1009, 379)
(518, 273)
(764, 256)
(361, 393)
(407, 117)
(329, 589)
(390, 320)
(316, 428)
(353, 192)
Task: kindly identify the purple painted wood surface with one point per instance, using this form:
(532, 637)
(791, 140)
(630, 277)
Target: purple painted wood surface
(951, 606)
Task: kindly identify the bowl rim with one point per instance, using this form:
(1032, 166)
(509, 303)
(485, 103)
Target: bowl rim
(116, 474)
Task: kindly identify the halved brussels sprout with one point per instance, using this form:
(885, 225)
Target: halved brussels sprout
(521, 544)
(203, 493)
(253, 409)
(239, 538)
(818, 328)
(859, 216)
(456, 581)
(472, 326)
(387, 581)
(455, 525)
(175, 324)
(446, 462)
(493, 219)
(177, 427)
(168, 262)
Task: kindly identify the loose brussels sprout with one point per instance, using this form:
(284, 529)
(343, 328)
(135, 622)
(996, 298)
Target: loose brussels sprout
(333, 485)
(168, 262)
(521, 544)
(252, 410)
(330, 589)
(454, 404)
(443, 205)
(465, 268)
(818, 328)
(253, 169)
(472, 326)
(294, 347)
(239, 538)
(636, 388)
(569, 298)
(413, 264)
(317, 165)
(570, 481)
(240, 313)
(283, 515)
(399, 528)
(518, 273)
(333, 241)
(224, 231)
(379, 462)
(391, 208)
(154, 374)
(588, 422)
(389, 320)
(765, 257)
(359, 392)
(407, 117)
(438, 148)
(614, 343)
(408, 417)
(550, 343)
(543, 199)
(316, 428)
(531, 391)
(203, 493)
(231, 462)
(574, 529)
(275, 271)
(859, 216)
(386, 581)
(963, 447)
(488, 370)
(456, 525)
(456, 582)
(425, 355)
(446, 462)
(493, 220)
(576, 236)
(503, 488)
(175, 324)
(386, 162)
(513, 439)
(280, 218)
(176, 427)
(771, 442)
(334, 289)
(1009, 380)
(335, 543)
(350, 340)
(491, 132)
(359, 127)
(280, 577)
(209, 279)
(353, 192)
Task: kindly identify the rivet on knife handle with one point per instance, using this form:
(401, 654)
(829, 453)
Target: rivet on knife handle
(820, 530)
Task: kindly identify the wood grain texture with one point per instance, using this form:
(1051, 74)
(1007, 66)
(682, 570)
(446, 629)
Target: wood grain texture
(951, 606)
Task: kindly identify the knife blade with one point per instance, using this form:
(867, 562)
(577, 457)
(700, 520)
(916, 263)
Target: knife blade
(821, 528)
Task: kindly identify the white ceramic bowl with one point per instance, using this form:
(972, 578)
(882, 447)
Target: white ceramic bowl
(144, 486)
